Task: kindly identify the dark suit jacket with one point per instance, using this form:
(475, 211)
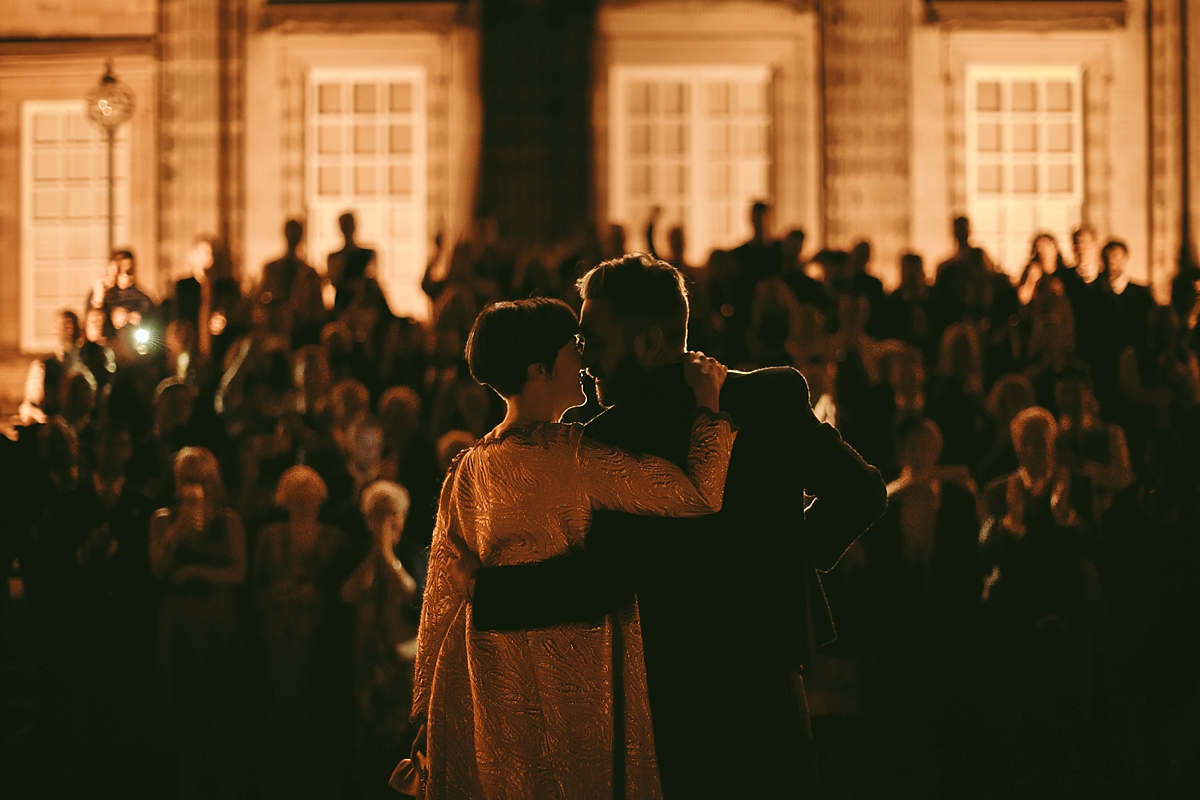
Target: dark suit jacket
(725, 600)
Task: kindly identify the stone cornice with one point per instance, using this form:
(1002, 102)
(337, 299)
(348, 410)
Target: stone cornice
(1027, 14)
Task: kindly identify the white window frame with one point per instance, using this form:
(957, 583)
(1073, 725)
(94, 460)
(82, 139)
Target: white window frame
(73, 296)
(1045, 208)
(398, 275)
(697, 227)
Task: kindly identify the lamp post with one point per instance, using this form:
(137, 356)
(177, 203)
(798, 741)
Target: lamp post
(109, 105)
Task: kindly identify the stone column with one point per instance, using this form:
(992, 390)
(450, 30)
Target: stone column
(866, 47)
(200, 190)
(1166, 141)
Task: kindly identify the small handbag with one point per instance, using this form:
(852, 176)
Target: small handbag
(409, 775)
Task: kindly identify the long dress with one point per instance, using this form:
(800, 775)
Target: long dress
(196, 661)
(292, 591)
(529, 714)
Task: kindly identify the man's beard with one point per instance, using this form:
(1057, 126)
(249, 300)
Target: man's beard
(615, 387)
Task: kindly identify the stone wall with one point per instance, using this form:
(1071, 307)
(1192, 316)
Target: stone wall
(867, 127)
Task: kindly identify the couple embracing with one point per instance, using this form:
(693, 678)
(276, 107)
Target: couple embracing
(624, 609)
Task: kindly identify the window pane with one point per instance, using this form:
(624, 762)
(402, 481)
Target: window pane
(1024, 137)
(1024, 96)
(718, 138)
(989, 178)
(47, 166)
(676, 179)
(718, 179)
(718, 99)
(79, 203)
(641, 100)
(364, 180)
(401, 98)
(987, 96)
(640, 140)
(1059, 138)
(400, 139)
(79, 165)
(754, 139)
(329, 180)
(1025, 178)
(639, 180)
(400, 179)
(989, 137)
(80, 129)
(675, 97)
(329, 98)
(1060, 178)
(675, 139)
(329, 139)
(753, 97)
(1058, 96)
(47, 203)
(46, 128)
(364, 98)
(364, 138)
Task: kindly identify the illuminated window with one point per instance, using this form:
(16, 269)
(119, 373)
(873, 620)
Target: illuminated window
(694, 141)
(1024, 157)
(366, 153)
(64, 213)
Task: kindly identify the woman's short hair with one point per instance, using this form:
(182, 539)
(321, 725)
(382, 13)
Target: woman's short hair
(644, 291)
(509, 337)
(1038, 418)
(297, 482)
(1009, 385)
(393, 494)
(955, 333)
(351, 399)
(197, 465)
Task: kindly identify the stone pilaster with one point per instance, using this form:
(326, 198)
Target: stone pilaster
(867, 126)
(202, 43)
(1166, 141)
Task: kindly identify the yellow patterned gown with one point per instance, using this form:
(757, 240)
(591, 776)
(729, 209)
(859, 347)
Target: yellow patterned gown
(529, 714)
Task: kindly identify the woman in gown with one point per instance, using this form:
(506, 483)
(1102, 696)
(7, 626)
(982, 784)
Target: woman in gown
(198, 551)
(293, 585)
(529, 714)
(382, 592)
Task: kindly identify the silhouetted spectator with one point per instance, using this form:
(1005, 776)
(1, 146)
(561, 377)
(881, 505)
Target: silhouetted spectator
(290, 291)
(293, 585)
(124, 302)
(198, 554)
(45, 379)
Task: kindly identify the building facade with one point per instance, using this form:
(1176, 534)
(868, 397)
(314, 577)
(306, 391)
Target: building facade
(875, 120)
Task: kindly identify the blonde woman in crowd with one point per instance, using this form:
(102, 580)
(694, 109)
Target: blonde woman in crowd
(198, 554)
(292, 569)
(383, 593)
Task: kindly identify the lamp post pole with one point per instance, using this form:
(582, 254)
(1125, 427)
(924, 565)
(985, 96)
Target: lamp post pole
(109, 105)
(112, 208)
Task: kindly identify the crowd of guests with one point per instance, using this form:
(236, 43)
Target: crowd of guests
(220, 506)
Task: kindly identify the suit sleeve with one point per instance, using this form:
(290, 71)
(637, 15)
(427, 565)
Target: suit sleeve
(850, 493)
(583, 585)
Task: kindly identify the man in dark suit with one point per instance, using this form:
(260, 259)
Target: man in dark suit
(730, 604)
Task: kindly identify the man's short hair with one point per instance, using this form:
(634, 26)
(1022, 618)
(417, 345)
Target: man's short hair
(124, 255)
(1037, 418)
(643, 291)
(508, 337)
(1112, 244)
(68, 314)
(1080, 231)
